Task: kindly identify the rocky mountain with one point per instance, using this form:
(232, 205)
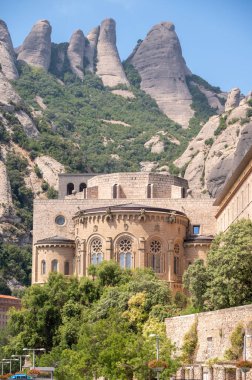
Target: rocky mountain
(76, 107)
(219, 147)
(36, 48)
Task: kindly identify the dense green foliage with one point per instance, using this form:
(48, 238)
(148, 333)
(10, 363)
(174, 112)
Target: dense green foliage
(15, 264)
(199, 104)
(95, 327)
(189, 346)
(236, 340)
(221, 127)
(22, 196)
(226, 281)
(75, 128)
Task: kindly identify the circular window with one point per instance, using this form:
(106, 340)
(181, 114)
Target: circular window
(60, 220)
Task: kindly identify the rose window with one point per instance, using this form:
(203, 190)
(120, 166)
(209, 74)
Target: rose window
(125, 245)
(96, 245)
(155, 247)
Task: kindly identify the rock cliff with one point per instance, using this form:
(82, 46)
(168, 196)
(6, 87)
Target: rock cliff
(163, 70)
(7, 54)
(75, 53)
(218, 148)
(91, 49)
(36, 48)
(6, 204)
(109, 67)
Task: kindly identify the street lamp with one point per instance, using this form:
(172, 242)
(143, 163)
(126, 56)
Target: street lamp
(20, 359)
(157, 347)
(8, 361)
(33, 350)
(157, 343)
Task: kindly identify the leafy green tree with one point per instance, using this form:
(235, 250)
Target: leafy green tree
(229, 267)
(195, 280)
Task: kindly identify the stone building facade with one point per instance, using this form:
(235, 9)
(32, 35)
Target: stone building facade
(137, 219)
(214, 329)
(6, 302)
(235, 201)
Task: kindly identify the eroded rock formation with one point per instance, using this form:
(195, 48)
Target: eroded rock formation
(5, 192)
(163, 70)
(50, 169)
(233, 99)
(7, 92)
(75, 53)
(91, 49)
(218, 148)
(109, 66)
(7, 54)
(36, 48)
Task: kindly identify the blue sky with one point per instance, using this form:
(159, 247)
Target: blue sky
(215, 35)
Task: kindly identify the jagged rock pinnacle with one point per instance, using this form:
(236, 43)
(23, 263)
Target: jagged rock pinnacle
(7, 54)
(109, 66)
(36, 48)
(75, 53)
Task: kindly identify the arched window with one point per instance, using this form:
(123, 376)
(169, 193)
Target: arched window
(82, 186)
(66, 268)
(54, 267)
(176, 263)
(125, 253)
(43, 267)
(70, 188)
(155, 256)
(96, 251)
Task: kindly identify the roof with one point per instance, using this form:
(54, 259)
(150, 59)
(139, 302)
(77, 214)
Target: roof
(131, 207)
(233, 177)
(3, 296)
(55, 240)
(199, 239)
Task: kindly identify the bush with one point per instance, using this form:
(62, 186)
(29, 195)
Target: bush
(209, 141)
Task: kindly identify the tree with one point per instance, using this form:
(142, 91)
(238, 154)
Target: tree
(229, 268)
(195, 280)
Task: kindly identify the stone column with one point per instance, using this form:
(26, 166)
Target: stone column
(140, 262)
(180, 373)
(83, 257)
(108, 249)
(238, 374)
(191, 373)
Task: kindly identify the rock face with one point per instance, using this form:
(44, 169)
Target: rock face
(7, 54)
(90, 51)
(75, 53)
(233, 99)
(214, 153)
(50, 169)
(7, 92)
(160, 63)
(109, 67)
(5, 192)
(36, 48)
(27, 123)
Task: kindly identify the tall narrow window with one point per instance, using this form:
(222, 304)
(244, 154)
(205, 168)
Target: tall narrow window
(125, 253)
(66, 268)
(70, 188)
(155, 256)
(96, 252)
(54, 266)
(43, 267)
(115, 191)
(176, 263)
(149, 190)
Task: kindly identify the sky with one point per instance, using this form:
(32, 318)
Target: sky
(215, 35)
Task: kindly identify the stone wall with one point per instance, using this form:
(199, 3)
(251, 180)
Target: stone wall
(214, 330)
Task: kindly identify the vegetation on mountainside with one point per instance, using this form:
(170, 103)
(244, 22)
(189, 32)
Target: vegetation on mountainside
(199, 104)
(75, 128)
(15, 266)
(226, 280)
(91, 327)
